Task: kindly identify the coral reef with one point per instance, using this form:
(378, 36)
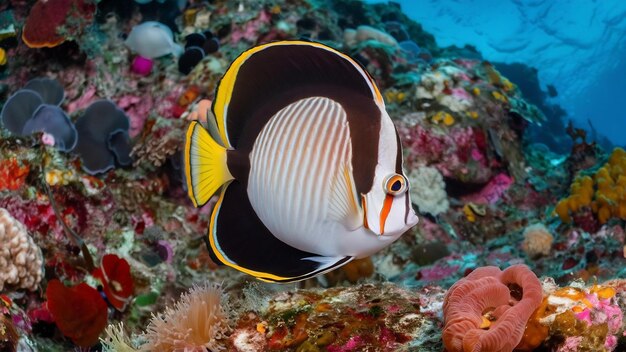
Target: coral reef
(96, 99)
(21, 261)
(595, 200)
(428, 190)
(197, 322)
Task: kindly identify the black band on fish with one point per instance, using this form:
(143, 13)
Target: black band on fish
(239, 239)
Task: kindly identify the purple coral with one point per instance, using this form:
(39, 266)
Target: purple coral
(36, 109)
(18, 109)
(52, 120)
(103, 137)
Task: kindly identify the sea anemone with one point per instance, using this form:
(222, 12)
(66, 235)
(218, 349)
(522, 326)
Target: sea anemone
(116, 340)
(488, 309)
(197, 322)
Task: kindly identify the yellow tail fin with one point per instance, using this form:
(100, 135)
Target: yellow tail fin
(205, 165)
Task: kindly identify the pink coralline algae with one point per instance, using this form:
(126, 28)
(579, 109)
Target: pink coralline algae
(458, 154)
(353, 344)
(250, 31)
(437, 273)
(602, 311)
(137, 109)
(88, 96)
(491, 192)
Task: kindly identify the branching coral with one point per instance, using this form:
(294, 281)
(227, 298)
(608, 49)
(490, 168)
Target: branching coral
(20, 258)
(603, 196)
(197, 321)
(488, 310)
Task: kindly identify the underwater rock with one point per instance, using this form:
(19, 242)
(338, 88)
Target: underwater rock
(102, 137)
(52, 120)
(153, 39)
(369, 317)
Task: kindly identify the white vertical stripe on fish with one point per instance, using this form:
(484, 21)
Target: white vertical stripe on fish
(294, 162)
(292, 119)
(308, 209)
(295, 188)
(276, 128)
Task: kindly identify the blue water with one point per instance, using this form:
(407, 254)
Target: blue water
(578, 46)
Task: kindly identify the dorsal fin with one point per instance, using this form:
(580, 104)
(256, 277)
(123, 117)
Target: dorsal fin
(269, 77)
(267, 71)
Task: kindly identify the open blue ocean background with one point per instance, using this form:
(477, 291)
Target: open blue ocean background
(577, 46)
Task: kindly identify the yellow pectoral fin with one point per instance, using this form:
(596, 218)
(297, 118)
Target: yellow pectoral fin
(205, 165)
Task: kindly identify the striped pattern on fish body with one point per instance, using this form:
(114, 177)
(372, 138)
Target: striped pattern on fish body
(299, 163)
(305, 160)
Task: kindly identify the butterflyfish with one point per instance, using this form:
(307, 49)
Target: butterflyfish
(305, 161)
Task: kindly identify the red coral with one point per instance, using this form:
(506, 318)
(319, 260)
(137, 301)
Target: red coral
(79, 311)
(490, 298)
(48, 16)
(12, 175)
(117, 283)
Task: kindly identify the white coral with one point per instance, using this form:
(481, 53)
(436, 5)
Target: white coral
(537, 240)
(21, 262)
(428, 191)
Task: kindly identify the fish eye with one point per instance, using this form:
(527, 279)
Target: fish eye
(395, 184)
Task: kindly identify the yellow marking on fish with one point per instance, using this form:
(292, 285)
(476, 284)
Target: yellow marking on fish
(266, 277)
(226, 86)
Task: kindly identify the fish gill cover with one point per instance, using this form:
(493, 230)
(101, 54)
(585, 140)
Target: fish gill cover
(520, 211)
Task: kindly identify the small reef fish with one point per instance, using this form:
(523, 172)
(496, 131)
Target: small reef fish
(306, 162)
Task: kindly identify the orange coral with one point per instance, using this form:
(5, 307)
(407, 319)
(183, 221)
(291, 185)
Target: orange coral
(485, 310)
(604, 193)
(12, 174)
(562, 313)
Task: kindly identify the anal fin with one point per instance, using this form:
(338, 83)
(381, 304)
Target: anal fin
(238, 238)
